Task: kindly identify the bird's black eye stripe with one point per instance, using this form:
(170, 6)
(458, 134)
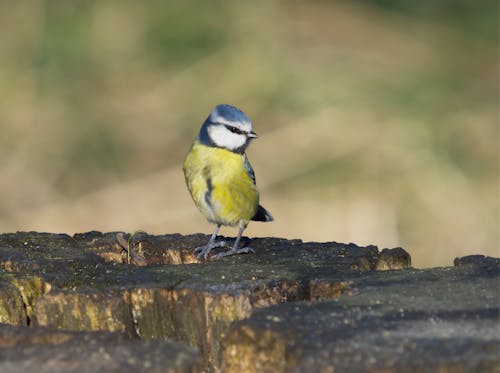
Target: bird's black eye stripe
(234, 129)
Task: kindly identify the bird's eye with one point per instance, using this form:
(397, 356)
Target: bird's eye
(234, 129)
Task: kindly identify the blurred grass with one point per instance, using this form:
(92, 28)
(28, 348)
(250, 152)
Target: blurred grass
(378, 119)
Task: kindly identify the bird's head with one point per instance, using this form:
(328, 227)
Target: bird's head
(227, 127)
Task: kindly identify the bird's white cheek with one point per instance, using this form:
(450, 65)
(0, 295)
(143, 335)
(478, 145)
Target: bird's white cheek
(224, 138)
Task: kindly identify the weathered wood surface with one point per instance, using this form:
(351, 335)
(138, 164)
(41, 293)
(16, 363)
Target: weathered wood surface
(46, 350)
(292, 306)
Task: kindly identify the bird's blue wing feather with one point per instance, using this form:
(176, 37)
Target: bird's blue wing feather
(249, 169)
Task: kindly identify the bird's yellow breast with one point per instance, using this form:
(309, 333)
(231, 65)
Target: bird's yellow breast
(220, 185)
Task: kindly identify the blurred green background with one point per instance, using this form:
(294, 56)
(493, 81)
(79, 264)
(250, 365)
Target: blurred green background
(378, 120)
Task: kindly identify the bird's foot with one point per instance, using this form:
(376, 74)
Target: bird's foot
(233, 251)
(203, 251)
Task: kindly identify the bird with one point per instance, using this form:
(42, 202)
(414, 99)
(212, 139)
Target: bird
(221, 180)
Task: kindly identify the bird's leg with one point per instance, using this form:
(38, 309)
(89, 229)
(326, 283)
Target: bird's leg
(203, 251)
(234, 250)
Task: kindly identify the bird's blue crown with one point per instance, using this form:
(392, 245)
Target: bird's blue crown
(229, 114)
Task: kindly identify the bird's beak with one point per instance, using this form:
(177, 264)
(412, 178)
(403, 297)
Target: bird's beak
(252, 134)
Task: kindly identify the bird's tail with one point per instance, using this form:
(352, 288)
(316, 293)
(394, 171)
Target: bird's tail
(262, 215)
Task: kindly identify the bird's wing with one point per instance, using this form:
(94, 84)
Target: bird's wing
(249, 168)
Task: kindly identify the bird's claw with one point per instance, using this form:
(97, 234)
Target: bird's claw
(243, 250)
(203, 251)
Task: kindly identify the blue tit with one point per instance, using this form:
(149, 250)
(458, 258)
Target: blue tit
(220, 178)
